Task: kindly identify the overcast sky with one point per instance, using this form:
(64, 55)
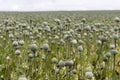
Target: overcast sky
(48, 5)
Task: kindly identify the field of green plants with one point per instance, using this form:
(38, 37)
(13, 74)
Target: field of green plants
(60, 45)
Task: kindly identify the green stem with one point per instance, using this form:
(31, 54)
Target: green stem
(113, 75)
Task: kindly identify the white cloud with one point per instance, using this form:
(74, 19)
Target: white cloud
(40, 5)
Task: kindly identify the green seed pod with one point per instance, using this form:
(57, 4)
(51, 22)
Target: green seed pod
(33, 47)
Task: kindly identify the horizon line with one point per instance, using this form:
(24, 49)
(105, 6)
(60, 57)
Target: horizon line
(56, 10)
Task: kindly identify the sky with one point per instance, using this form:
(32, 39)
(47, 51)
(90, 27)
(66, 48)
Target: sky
(58, 5)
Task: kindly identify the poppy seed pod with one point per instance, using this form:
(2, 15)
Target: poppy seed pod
(99, 42)
(108, 54)
(57, 71)
(89, 75)
(11, 36)
(15, 43)
(76, 25)
(112, 46)
(80, 48)
(114, 51)
(44, 23)
(117, 19)
(33, 47)
(6, 21)
(74, 41)
(103, 39)
(47, 28)
(57, 21)
(61, 63)
(21, 42)
(81, 42)
(54, 60)
(115, 29)
(17, 52)
(74, 71)
(105, 59)
(83, 20)
(67, 37)
(22, 78)
(87, 28)
(45, 46)
(30, 55)
(8, 58)
(68, 20)
(69, 63)
(115, 37)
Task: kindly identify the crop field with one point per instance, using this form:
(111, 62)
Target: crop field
(63, 45)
